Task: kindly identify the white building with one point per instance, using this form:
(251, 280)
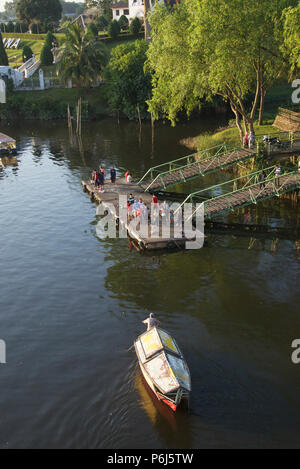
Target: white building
(130, 8)
(9, 72)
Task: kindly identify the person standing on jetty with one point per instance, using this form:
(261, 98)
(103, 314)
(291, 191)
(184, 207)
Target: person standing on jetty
(113, 175)
(277, 175)
(263, 179)
(252, 140)
(128, 177)
(101, 178)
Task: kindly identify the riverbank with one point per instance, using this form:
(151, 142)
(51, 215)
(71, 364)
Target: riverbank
(279, 95)
(53, 103)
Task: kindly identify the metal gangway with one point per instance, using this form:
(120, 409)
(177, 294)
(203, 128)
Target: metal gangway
(243, 191)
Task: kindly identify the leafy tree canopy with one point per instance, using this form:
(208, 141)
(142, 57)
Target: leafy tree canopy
(128, 85)
(113, 29)
(292, 36)
(39, 11)
(3, 54)
(204, 48)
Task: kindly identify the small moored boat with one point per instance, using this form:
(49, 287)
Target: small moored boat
(7, 145)
(163, 367)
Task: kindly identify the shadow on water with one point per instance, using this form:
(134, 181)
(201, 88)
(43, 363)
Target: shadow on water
(167, 423)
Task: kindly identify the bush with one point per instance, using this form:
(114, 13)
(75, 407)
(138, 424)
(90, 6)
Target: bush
(102, 23)
(135, 26)
(123, 23)
(10, 27)
(50, 38)
(27, 53)
(35, 29)
(93, 30)
(114, 29)
(10, 85)
(3, 54)
(46, 56)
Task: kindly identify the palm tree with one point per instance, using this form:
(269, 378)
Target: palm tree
(81, 57)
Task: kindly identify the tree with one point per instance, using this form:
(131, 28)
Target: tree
(3, 55)
(35, 28)
(46, 56)
(103, 6)
(50, 39)
(10, 27)
(82, 57)
(291, 32)
(123, 23)
(206, 48)
(39, 11)
(93, 30)
(26, 53)
(10, 8)
(113, 29)
(102, 23)
(135, 26)
(128, 86)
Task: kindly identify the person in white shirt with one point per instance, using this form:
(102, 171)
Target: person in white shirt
(277, 175)
(151, 322)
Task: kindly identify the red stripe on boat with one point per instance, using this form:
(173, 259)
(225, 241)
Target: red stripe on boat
(170, 404)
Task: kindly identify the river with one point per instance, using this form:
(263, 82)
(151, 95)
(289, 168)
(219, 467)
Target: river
(71, 306)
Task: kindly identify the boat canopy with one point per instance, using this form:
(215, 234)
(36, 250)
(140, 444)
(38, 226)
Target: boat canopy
(6, 140)
(163, 361)
(155, 340)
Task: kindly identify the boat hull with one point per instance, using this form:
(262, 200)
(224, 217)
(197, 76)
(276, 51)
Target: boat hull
(159, 395)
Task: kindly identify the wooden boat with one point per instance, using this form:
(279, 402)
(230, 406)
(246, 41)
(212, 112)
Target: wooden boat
(7, 145)
(163, 367)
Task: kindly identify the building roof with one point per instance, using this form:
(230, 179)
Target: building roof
(119, 5)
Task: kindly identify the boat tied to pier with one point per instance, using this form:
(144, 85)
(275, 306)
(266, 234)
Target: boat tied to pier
(164, 367)
(7, 145)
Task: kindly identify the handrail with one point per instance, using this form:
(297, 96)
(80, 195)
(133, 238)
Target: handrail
(211, 159)
(186, 158)
(270, 175)
(253, 199)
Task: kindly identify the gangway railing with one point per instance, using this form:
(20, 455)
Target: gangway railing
(183, 162)
(252, 186)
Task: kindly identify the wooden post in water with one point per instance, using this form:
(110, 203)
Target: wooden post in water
(140, 124)
(78, 130)
(70, 125)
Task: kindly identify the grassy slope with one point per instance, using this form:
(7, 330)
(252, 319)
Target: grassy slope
(279, 95)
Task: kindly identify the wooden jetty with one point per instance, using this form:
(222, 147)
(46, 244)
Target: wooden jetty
(111, 195)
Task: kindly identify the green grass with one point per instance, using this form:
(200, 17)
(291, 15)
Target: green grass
(231, 136)
(279, 95)
(15, 55)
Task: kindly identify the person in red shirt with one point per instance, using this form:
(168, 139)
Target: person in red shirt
(154, 199)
